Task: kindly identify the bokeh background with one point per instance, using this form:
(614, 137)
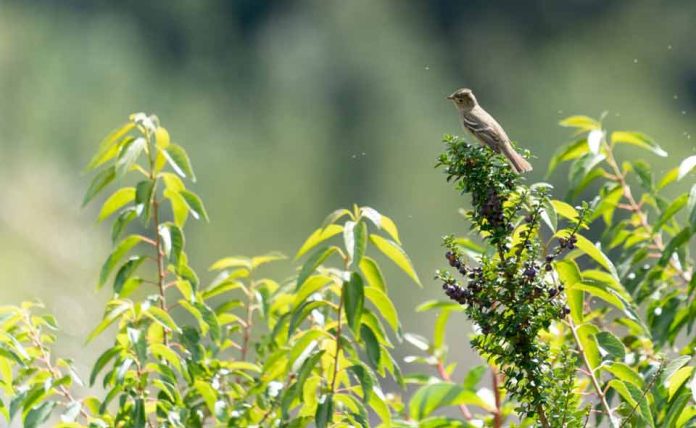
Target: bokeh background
(290, 109)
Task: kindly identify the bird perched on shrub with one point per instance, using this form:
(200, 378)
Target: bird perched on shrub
(486, 129)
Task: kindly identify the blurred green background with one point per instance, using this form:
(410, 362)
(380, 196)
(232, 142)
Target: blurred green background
(290, 109)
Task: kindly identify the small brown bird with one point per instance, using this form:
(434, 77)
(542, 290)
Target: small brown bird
(486, 129)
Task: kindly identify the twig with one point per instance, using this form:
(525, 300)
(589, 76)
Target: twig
(645, 392)
(498, 415)
(642, 216)
(595, 381)
(446, 377)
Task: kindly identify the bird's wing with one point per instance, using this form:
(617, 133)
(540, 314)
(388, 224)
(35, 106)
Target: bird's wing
(484, 128)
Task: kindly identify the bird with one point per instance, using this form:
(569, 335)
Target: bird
(486, 129)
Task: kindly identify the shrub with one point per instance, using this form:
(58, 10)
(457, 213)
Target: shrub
(571, 329)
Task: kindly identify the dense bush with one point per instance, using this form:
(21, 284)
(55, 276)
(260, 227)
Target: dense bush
(572, 331)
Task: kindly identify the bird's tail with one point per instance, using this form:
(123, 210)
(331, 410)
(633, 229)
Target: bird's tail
(519, 163)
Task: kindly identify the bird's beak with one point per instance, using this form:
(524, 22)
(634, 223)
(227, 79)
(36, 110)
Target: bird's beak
(450, 97)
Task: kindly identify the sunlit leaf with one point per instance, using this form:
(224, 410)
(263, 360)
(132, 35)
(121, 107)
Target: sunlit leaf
(116, 201)
(162, 139)
(354, 300)
(584, 123)
(179, 160)
(438, 395)
(195, 205)
(128, 155)
(678, 379)
(99, 182)
(567, 153)
(110, 145)
(623, 372)
(677, 204)
(596, 254)
(637, 139)
(116, 255)
(611, 345)
(384, 305)
(317, 237)
(316, 259)
(396, 254)
(372, 273)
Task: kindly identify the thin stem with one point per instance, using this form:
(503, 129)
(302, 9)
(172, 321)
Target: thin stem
(593, 378)
(446, 377)
(248, 322)
(642, 397)
(338, 343)
(642, 216)
(159, 254)
(498, 415)
(45, 358)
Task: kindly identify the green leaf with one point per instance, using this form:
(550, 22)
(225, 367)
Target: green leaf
(125, 272)
(569, 274)
(179, 160)
(673, 366)
(318, 236)
(116, 201)
(669, 178)
(677, 204)
(180, 209)
(432, 397)
(355, 239)
(565, 210)
(316, 259)
(143, 198)
(372, 273)
(102, 361)
(549, 215)
(374, 351)
(109, 318)
(382, 222)
(366, 378)
(334, 217)
(635, 399)
(691, 206)
(623, 372)
(109, 146)
(121, 222)
(99, 182)
(686, 166)
(675, 381)
(324, 414)
(301, 313)
(354, 300)
(121, 249)
(128, 155)
(596, 254)
(583, 123)
(586, 333)
(396, 254)
(195, 205)
(674, 244)
(172, 240)
(637, 139)
(384, 306)
(567, 153)
(611, 345)
(207, 393)
(306, 370)
(163, 318)
(38, 415)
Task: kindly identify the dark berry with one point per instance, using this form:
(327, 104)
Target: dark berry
(548, 268)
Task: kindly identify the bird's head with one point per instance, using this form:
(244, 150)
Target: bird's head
(463, 98)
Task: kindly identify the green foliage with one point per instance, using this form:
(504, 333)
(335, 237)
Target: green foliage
(582, 314)
(516, 287)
